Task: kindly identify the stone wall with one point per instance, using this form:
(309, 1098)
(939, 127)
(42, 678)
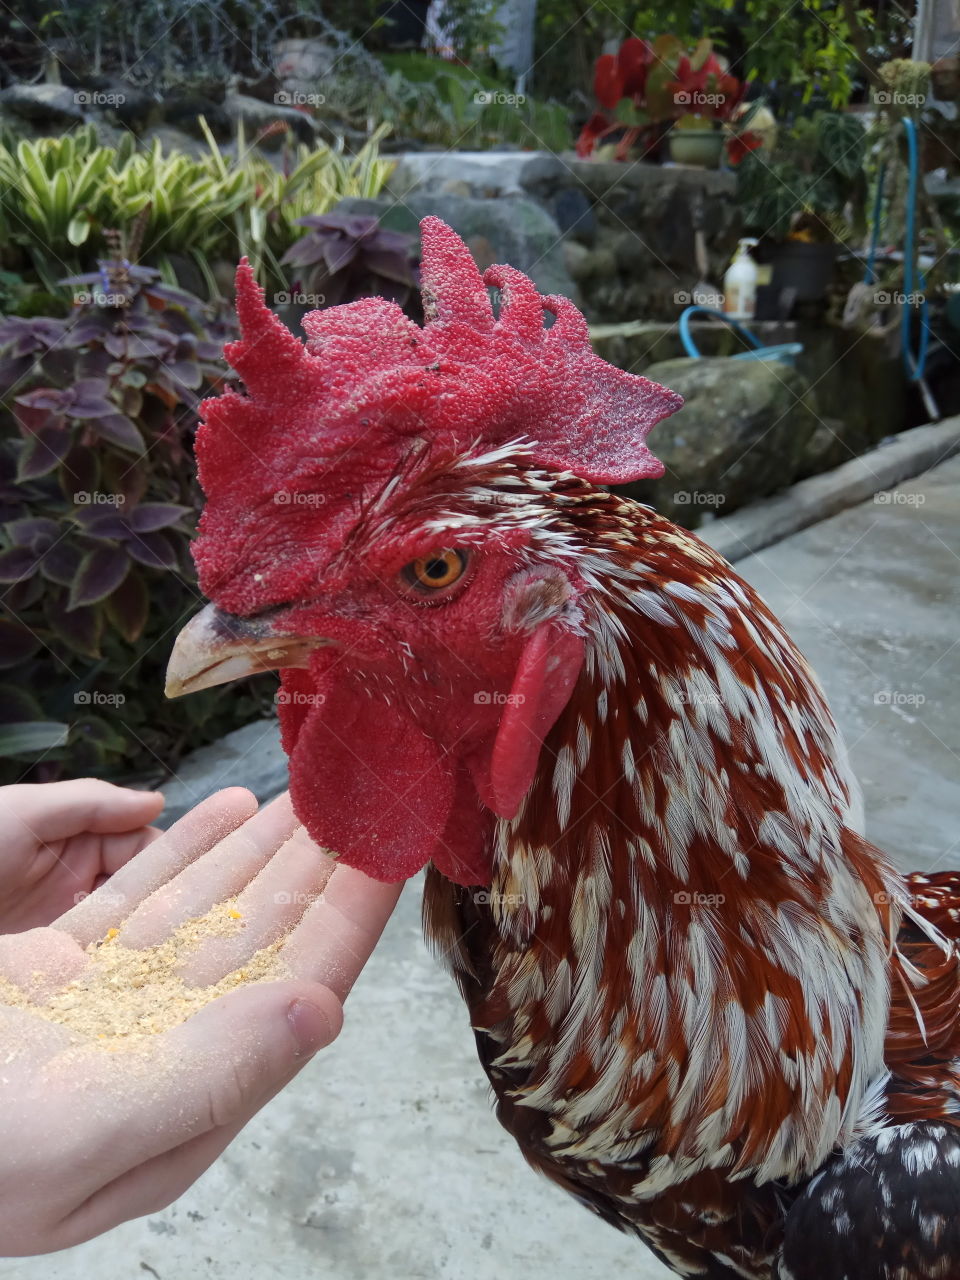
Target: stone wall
(625, 232)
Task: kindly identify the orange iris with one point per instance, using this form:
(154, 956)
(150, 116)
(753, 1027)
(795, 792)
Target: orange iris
(438, 570)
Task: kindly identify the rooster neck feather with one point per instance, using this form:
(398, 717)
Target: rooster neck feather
(677, 912)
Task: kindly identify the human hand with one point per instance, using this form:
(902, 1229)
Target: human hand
(59, 840)
(95, 1132)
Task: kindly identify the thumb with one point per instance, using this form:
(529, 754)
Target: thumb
(207, 1079)
(219, 1066)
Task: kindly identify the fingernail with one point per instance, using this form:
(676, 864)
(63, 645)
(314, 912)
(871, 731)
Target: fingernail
(310, 1026)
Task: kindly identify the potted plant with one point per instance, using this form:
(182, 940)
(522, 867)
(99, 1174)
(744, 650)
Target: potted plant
(704, 96)
(806, 199)
(632, 88)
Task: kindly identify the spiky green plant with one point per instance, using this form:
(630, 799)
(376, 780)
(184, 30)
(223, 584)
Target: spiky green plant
(59, 195)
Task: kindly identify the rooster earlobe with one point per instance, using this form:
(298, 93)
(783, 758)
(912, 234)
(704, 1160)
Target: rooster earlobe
(452, 287)
(542, 686)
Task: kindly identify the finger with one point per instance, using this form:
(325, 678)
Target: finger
(186, 841)
(338, 932)
(224, 872)
(117, 850)
(56, 810)
(157, 1183)
(269, 907)
(208, 1072)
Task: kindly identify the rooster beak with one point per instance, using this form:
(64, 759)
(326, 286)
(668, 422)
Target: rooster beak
(215, 648)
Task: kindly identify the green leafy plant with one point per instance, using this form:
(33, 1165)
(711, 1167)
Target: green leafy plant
(62, 194)
(446, 103)
(308, 182)
(813, 187)
(97, 504)
(816, 51)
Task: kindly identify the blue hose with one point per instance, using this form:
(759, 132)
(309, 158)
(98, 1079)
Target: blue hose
(785, 352)
(914, 362)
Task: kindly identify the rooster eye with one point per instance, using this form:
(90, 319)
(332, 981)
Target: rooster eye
(438, 570)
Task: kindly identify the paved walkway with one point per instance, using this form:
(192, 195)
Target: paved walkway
(382, 1161)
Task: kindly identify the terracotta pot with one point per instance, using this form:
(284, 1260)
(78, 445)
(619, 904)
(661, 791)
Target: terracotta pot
(700, 147)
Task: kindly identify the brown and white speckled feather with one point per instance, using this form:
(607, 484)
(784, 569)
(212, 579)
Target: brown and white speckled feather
(682, 975)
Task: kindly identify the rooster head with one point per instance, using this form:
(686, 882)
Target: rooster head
(377, 529)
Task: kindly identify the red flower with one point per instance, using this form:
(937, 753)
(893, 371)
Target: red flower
(592, 132)
(633, 62)
(607, 81)
(740, 144)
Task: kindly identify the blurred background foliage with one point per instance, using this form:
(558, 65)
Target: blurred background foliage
(118, 244)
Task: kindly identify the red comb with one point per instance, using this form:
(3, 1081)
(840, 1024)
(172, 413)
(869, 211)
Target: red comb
(369, 374)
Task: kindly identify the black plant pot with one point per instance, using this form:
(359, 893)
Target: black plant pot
(807, 268)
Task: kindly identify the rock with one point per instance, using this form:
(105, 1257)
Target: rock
(601, 263)
(300, 64)
(741, 434)
(576, 258)
(173, 140)
(132, 106)
(515, 231)
(635, 346)
(495, 173)
(248, 757)
(43, 103)
(574, 214)
(452, 187)
(184, 112)
(257, 116)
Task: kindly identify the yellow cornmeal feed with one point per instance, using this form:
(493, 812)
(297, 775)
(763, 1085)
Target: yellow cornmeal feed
(127, 994)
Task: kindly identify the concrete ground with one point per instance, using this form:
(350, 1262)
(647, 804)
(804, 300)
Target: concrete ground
(383, 1159)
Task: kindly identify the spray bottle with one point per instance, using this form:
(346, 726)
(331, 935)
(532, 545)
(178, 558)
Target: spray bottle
(740, 284)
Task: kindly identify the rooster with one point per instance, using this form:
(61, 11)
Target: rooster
(708, 1008)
